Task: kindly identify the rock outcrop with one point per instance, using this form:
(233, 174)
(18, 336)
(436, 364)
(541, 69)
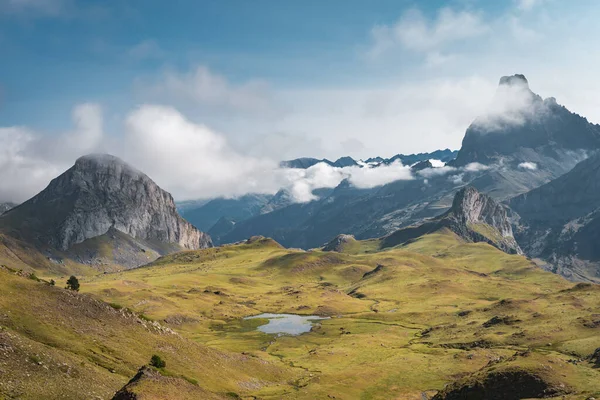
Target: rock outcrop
(101, 192)
(4, 207)
(338, 243)
(474, 216)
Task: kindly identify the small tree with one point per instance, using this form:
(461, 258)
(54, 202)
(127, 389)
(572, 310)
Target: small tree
(157, 362)
(73, 283)
(52, 282)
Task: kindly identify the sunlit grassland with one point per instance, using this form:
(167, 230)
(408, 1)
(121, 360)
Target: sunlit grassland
(415, 323)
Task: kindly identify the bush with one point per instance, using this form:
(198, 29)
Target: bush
(157, 362)
(73, 283)
(52, 282)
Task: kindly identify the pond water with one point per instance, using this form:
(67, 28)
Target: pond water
(289, 324)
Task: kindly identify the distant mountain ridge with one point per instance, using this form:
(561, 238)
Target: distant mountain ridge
(504, 160)
(410, 159)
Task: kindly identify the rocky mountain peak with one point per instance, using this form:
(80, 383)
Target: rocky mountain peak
(514, 80)
(471, 206)
(518, 121)
(474, 213)
(102, 192)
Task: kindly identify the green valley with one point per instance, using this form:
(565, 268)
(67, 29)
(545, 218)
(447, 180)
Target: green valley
(405, 321)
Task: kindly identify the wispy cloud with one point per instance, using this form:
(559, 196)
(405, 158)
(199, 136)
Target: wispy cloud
(144, 50)
(190, 160)
(527, 5)
(413, 31)
(203, 87)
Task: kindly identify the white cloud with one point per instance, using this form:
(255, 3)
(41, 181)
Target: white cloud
(527, 5)
(437, 163)
(367, 178)
(29, 160)
(431, 172)
(513, 105)
(475, 167)
(189, 160)
(528, 165)
(202, 87)
(413, 31)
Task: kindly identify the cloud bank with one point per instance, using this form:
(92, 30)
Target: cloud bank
(190, 160)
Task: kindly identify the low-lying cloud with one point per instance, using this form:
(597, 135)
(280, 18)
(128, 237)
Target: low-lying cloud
(190, 160)
(528, 165)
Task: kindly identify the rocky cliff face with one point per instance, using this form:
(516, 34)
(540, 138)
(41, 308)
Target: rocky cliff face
(559, 222)
(520, 119)
(474, 216)
(4, 207)
(101, 192)
(478, 217)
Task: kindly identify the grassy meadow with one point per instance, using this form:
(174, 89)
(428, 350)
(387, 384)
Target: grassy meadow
(405, 322)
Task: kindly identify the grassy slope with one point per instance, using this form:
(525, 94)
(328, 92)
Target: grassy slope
(415, 325)
(59, 344)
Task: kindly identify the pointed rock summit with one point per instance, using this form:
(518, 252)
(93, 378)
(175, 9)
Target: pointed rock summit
(474, 216)
(520, 125)
(514, 80)
(478, 217)
(101, 193)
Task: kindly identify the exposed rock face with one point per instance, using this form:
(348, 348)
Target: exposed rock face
(519, 118)
(98, 193)
(472, 207)
(559, 222)
(421, 165)
(474, 216)
(4, 207)
(506, 385)
(338, 243)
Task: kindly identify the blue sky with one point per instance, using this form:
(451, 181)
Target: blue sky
(265, 80)
(58, 53)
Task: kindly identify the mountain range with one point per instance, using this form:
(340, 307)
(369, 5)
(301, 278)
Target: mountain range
(505, 153)
(445, 286)
(409, 159)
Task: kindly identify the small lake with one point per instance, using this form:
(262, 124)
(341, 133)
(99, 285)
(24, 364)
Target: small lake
(289, 324)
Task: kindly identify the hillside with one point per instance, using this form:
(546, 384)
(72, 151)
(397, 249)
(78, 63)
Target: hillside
(404, 322)
(560, 222)
(56, 343)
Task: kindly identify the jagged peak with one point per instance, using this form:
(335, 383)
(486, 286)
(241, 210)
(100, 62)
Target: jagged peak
(514, 80)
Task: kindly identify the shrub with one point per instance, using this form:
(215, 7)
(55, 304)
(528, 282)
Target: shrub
(52, 282)
(157, 362)
(73, 283)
